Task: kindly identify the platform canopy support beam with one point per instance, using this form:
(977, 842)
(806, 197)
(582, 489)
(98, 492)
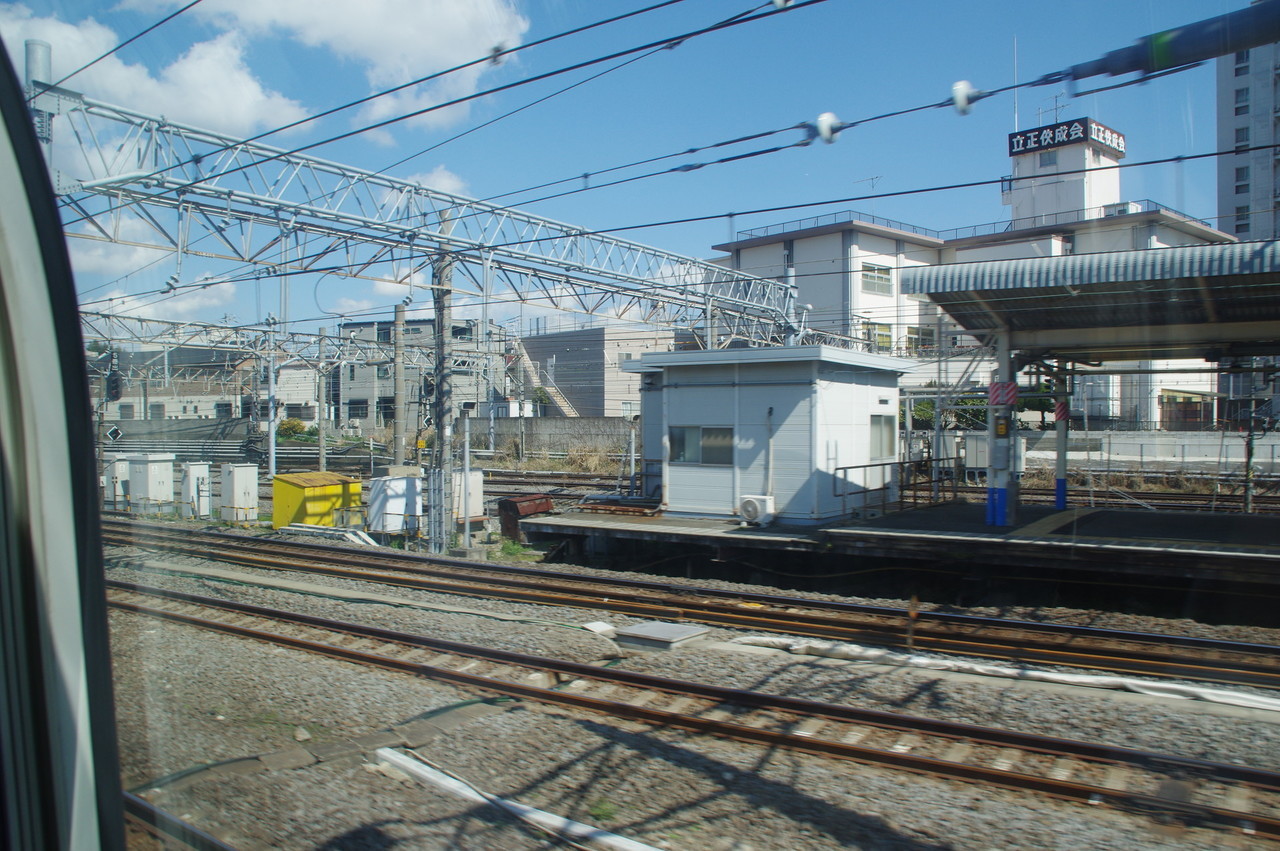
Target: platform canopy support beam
(1002, 486)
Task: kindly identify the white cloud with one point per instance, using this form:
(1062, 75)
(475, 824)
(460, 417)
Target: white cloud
(210, 85)
(91, 258)
(189, 304)
(442, 179)
(393, 41)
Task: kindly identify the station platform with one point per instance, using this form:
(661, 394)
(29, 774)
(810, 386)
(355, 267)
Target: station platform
(1211, 546)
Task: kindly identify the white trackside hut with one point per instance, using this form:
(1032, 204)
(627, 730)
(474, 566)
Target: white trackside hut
(798, 434)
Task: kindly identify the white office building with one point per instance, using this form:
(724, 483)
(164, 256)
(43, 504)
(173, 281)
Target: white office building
(1064, 199)
(1248, 181)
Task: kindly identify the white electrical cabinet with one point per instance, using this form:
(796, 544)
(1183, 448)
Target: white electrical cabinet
(151, 484)
(197, 491)
(474, 509)
(239, 493)
(115, 484)
(395, 503)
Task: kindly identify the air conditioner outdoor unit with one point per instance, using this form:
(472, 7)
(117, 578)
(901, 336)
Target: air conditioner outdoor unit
(758, 509)
(1122, 209)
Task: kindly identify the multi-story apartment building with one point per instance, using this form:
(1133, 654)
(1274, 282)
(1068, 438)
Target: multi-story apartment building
(1248, 180)
(1248, 117)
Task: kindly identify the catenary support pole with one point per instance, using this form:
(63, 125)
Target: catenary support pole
(1061, 411)
(398, 425)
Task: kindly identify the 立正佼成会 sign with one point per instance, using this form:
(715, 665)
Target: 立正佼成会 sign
(1066, 133)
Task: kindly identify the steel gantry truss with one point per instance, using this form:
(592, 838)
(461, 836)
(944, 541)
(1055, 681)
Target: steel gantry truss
(319, 351)
(202, 193)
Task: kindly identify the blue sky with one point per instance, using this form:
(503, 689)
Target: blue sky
(248, 64)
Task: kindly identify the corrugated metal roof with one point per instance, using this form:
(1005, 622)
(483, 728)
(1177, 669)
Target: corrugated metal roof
(1188, 261)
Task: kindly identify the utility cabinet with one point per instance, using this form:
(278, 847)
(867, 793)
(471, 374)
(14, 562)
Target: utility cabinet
(151, 484)
(239, 493)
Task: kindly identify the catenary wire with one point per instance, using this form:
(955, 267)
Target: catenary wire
(256, 273)
(541, 100)
(378, 125)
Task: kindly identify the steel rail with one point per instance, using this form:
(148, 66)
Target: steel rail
(1161, 765)
(1139, 653)
(167, 828)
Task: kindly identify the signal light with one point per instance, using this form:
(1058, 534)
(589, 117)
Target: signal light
(115, 386)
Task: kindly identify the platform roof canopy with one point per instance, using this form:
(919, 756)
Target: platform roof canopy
(1203, 301)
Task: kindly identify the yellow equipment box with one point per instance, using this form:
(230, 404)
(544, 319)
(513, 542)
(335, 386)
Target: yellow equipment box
(312, 498)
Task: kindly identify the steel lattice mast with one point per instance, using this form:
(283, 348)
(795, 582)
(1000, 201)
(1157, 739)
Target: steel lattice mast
(208, 194)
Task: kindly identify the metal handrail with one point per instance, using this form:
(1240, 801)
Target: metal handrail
(895, 485)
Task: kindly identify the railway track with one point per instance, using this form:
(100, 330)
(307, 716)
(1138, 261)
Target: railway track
(1018, 642)
(1162, 785)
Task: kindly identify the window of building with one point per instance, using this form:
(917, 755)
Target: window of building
(222, 410)
(701, 445)
(155, 411)
(884, 432)
(1242, 219)
(387, 408)
(877, 279)
(920, 337)
(1242, 189)
(1242, 56)
(1242, 138)
(1242, 101)
(880, 336)
(384, 371)
(1242, 70)
(1242, 173)
(623, 357)
(300, 412)
(384, 333)
(1048, 158)
(357, 409)
(630, 409)
(351, 372)
(126, 411)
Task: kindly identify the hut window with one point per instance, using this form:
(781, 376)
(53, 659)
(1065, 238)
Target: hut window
(701, 445)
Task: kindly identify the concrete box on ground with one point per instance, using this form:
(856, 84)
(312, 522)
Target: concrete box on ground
(312, 498)
(239, 493)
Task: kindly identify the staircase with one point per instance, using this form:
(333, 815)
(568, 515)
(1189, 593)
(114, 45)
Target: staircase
(529, 375)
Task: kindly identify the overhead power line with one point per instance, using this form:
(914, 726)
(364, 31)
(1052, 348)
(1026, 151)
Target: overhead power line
(670, 40)
(121, 45)
(541, 100)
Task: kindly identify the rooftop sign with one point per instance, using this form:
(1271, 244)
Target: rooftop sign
(1066, 133)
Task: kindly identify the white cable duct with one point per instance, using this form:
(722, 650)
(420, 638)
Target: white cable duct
(856, 652)
(559, 825)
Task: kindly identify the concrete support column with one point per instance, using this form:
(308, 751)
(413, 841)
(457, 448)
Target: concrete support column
(1002, 488)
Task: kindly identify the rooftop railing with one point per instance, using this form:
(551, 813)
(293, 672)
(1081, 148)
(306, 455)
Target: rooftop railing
(1067, 217)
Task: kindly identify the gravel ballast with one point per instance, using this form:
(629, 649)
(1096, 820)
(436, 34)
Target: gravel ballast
(186, 698)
